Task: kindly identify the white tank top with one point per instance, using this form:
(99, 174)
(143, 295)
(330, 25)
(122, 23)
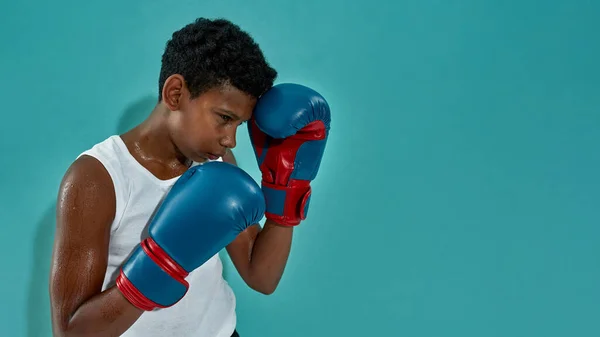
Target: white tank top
(208, 308)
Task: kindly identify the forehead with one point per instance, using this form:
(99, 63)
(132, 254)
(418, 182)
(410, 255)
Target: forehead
(230, 99)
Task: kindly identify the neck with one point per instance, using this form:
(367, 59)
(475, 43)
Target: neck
(151, 144)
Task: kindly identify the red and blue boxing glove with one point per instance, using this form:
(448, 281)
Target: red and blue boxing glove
(206, 209)
(289, 130)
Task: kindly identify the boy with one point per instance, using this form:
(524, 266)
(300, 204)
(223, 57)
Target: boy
(211, 79)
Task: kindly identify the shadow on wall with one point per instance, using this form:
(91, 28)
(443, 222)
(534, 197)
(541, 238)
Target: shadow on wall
(135, 113)
(38, 306)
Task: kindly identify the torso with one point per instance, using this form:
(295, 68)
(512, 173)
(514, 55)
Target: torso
(208, 309)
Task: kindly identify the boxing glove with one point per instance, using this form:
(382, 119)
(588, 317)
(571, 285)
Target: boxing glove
(288, 129)
(207, 207)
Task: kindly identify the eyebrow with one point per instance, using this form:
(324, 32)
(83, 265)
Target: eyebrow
(233, 114)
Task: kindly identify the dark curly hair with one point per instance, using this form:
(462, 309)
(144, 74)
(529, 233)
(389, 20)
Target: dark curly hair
(210, 53)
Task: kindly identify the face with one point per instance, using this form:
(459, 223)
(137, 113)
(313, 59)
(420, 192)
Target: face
(205, 127)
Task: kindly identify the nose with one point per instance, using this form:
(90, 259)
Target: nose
(228, 139)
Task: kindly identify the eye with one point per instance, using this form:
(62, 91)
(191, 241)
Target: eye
(226, 118)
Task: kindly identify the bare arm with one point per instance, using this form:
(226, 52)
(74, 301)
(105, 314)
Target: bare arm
(260, 254)
(85, 209)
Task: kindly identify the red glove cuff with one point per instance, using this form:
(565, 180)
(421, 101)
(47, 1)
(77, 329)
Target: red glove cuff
(133, 295)
(162, 260)
(287, 205)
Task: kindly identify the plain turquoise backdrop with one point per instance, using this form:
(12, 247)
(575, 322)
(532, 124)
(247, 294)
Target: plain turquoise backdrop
(460, 192)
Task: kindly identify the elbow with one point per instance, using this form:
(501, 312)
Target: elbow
(59, 326)
(263, 286)
(60, 331)
(66, 327)
(63, 330)
(265, 290)
(261, 280)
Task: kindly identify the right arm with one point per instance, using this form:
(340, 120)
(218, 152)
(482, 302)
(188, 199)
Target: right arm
(85, 210)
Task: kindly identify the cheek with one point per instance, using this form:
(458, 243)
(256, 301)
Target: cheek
(198, 129)
(184, 131)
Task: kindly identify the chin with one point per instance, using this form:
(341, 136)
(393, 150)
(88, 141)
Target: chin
(199, 157)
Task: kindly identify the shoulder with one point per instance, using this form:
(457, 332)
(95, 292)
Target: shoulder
(86, 192)
(108, 159)
(88, 170)
(85, 172)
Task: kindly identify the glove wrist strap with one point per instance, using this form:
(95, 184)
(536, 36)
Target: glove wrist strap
(287, 205)
(164, 262)
(133, 295)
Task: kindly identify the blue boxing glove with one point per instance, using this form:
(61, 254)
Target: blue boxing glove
(289, 130)
(204, 211)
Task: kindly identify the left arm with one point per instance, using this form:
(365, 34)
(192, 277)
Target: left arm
(260, 255)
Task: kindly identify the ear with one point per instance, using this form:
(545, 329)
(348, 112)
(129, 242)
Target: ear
(174, 91)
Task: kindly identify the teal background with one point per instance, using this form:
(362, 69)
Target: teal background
(459, 195)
